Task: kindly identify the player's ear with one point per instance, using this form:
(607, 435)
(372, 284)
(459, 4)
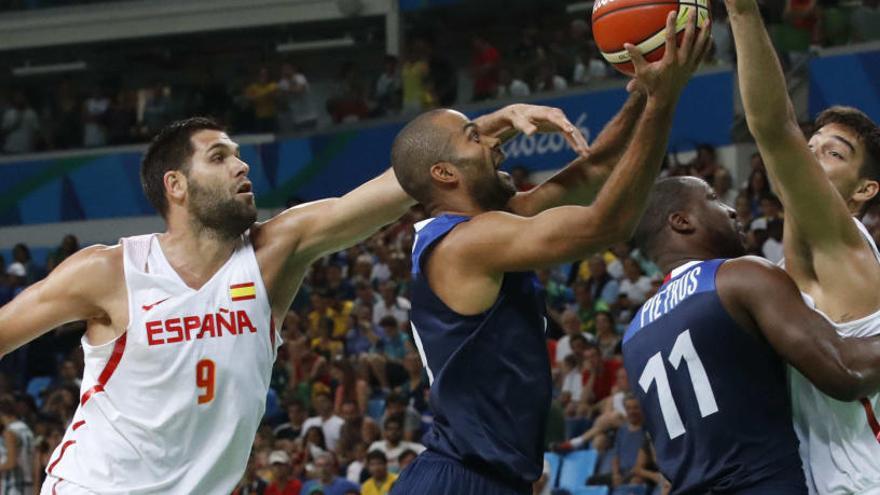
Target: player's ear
(444, 173)
(866, 190)
(680, 222)
(175, 185)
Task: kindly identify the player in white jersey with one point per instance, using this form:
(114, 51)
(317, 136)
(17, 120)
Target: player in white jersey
(822, 183)
(181, 325)
(16, 452)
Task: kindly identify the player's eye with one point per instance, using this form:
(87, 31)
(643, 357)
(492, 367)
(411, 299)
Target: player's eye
(837, 155)
(217, 158)
(475, 136)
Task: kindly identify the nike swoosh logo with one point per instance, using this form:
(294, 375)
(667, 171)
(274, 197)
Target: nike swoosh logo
(147, 307)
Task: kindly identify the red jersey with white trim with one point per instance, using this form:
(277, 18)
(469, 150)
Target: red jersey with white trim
(173, 404)
(839, 441)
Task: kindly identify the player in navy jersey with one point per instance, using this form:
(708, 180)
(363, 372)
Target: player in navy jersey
(705, 355)
(477, 319)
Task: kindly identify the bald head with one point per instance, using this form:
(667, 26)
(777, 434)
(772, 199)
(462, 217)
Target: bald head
(667, 197)
(426, 140)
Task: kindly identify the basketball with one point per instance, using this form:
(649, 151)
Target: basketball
(641, 23)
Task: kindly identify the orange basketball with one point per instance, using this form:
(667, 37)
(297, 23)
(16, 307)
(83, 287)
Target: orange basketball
(641, 23)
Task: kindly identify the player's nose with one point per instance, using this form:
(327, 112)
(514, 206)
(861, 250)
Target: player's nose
(242, 168)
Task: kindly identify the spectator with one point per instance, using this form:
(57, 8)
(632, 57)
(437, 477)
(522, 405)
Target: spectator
(357, 468)
(510, 86)
(599, 375)
(251, 483)
(314, 445)
(586, 307)
(758, 187)
(365, 296)
(804, 16)
(646, 468)
(363, 335)
(17, 450)
(337, 283)
(46, 443)
(627, 443)
(414, 75)
(262, 95)
(485, 61)
(571, 325)
(64, 120)
(349, 387)
(705, 165)
(296, 417)
(120, 119)
(865, 21)
(589, 67)
(21, 271)
(572, 377)
(393, 444)
(416, 386)
(722, 183)
(390, 304)
(743, 207)
(69, 245)
(607, 338)
(406, 459)
(329, 423)
(327, 481)
(380, 481)
(20, 126)
(634, 289)
(548, 80)
(349, 103)
(284, 482)
(521, 178)
(296, 101)
(771, 209)
(603, 287)
(95, 119)
(157, 109)
(388, 92)
(397, 405)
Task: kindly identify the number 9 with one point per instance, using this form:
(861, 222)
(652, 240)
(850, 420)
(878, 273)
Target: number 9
(205, 378)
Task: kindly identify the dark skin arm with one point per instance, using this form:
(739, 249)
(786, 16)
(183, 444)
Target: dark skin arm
(765, 301)
(580, 181)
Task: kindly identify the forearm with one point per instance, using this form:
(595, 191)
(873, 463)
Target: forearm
(761, 80)
(622, 199)
(580, 181)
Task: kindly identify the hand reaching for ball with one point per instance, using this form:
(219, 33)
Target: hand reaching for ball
(666, 77)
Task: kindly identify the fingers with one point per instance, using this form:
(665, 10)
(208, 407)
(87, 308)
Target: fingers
(575, 138)
(523, 124)
(671, 34)
(635, 55)
(687, 44)
(704, 42)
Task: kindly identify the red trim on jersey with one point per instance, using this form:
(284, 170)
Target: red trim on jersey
(872, 418)
(109, 368)
(63, 449)
(78, 424)
(272, 332)
(244, 298)
(240, 286)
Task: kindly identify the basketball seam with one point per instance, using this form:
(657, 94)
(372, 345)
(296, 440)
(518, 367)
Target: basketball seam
(680, 4)
(628, 7)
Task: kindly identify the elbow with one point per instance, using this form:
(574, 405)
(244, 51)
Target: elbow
(852, 388)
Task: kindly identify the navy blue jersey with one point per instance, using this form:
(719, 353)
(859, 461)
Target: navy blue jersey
(714, 395)
(490, 373)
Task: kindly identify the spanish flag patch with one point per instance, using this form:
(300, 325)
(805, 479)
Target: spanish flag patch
(243, 292)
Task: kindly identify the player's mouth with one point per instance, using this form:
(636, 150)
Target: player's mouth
(246, 188)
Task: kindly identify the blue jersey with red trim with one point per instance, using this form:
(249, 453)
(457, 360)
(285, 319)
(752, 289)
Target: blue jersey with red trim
(490, 373)
(714, 395)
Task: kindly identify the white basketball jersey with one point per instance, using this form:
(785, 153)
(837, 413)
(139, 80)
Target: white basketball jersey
(173, 404)
(839, 441)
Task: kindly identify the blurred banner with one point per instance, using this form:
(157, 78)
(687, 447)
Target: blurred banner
(100, 186)
(851, 79)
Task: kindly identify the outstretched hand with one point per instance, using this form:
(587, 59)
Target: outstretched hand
(666, 77)
(530, 119)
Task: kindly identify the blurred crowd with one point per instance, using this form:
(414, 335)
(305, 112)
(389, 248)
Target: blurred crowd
(349, 398)
(280, 96)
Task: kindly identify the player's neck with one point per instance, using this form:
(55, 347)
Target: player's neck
(195, 255)
(455, 205)
(668, 263)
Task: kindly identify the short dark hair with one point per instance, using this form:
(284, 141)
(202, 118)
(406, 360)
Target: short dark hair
(578, 337)
(418, 146)
(171, 149)
(866, 129)
(7, 405)
(668, 195)
(388, 321)
(377, 455)
(394, 418)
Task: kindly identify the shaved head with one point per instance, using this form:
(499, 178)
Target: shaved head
(426, 140)
(668, 196)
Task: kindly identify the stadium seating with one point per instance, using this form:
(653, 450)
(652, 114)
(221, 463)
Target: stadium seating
(36, 386)
(590, 490)
(376, 408)
(577, 467)
(555, 460)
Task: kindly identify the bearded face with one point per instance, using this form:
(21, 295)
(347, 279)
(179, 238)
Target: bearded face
(218, 209)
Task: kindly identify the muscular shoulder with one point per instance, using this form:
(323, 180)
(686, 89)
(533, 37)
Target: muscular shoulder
(98, 262)
(748, 273)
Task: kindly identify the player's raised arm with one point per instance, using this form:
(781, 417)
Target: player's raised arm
(502, 242)
(793, 170)
(70, 293)
(580, 181)
(844, 368)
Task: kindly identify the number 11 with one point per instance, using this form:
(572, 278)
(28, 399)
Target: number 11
(655, 371)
